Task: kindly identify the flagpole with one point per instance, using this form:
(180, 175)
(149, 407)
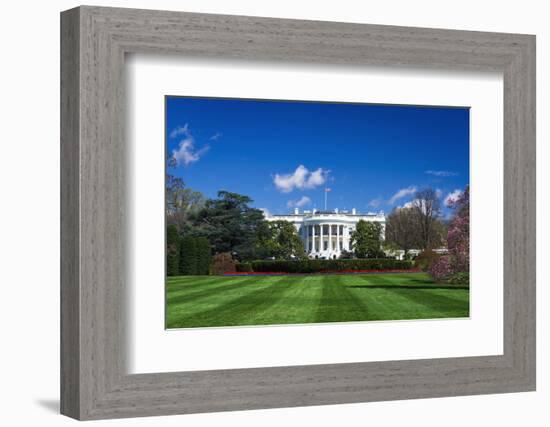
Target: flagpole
(326, 198)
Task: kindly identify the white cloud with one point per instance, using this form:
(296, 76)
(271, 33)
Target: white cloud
(438, 193)
(303, 201)
(404, 192)
(186, 152)
(452, 197)
(180, 130)
(216, 136)
(301, 179)
(441, 173)
(374, 203)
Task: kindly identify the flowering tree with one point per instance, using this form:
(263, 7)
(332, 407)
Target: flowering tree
(457, 262)
(458, 236)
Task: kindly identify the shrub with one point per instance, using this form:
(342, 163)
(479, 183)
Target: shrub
(324, 265)
(426, 259)
(244, 267)
(195, 256)
(204, 255)
(223, 263)
(172, 251)
(346, 254)
(442, 269)
(188, 256)
(460, 279)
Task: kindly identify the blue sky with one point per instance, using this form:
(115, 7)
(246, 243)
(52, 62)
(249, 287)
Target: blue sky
(284, 153)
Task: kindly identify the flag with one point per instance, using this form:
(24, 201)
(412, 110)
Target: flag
(328, 189)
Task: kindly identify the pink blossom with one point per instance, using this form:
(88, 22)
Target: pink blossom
(458, 241)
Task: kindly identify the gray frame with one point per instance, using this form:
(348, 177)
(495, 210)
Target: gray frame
(94, 41)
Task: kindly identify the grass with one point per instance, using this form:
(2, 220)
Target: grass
(203, 301)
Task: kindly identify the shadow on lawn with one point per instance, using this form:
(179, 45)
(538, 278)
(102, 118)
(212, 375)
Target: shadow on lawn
(411, 287)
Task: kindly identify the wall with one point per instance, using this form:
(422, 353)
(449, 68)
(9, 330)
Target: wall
(29, 225)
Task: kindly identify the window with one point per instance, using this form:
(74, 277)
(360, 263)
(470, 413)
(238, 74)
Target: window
(325, 245)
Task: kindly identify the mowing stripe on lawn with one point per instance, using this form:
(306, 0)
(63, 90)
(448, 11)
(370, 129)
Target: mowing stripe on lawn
(202, 301)
(440, 304)
(184, 296)
(210, 299)
(410, 303)
(378, 301)
(298, 304)
(338, 304)
(254, 309)
(235, 311)
(194, 282)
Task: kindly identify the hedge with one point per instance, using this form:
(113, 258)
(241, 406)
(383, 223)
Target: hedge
(195, 256)
(324, 265)
(244, 267)
(172, 251)
(204, 255)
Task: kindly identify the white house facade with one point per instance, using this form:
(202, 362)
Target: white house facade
(326, 234)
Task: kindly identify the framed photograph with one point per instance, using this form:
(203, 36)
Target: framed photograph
(262, 213)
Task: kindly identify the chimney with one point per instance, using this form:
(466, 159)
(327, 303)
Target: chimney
(353, 211)
(296, 211)
(335, 210)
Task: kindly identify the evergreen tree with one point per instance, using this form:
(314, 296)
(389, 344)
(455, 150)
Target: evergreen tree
(204, 255)
(188, 256)
(366, 238)
(284, 242)
(172, 251)
(230, 224)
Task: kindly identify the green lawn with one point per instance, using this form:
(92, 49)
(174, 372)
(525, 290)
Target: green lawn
(201, 301)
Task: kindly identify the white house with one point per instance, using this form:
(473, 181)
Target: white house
(326, 234)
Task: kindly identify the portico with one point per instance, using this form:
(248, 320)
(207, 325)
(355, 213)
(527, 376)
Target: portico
(327, 234)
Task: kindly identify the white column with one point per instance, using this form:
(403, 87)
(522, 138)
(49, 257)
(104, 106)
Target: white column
(313, 238)
(330, 238)
(321, 247)
(338, 238)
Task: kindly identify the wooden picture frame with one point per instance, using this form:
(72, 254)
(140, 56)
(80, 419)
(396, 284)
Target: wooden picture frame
(94, 382)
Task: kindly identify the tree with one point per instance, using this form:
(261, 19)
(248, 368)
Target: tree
(401, 229)
(195, 256)
(204, 255)
(458, 236)
(188, 256)
(172, 251)
(181, 203)
(455, 266)
(366, 238)
(230, 224)
(284, 242)
(426, 208)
